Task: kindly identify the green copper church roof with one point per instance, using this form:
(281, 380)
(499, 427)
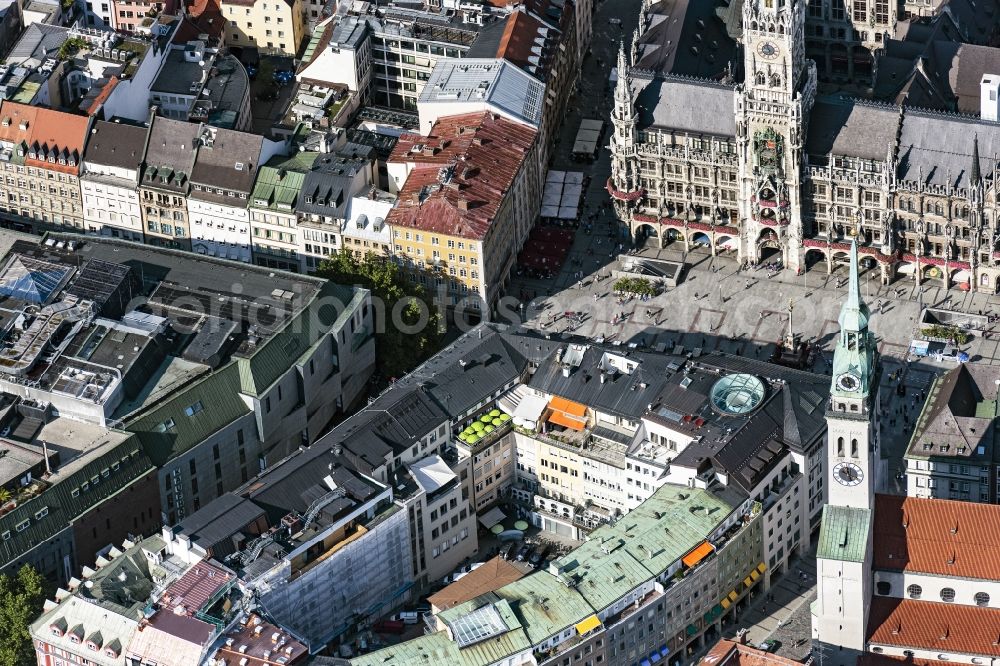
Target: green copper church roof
(854, 314)
(844, 534)
(855, 351)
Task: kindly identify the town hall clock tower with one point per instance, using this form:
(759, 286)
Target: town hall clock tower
(772, 106)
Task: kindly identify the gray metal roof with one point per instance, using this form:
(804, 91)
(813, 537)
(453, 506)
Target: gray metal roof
(687, 105)
(623, 394)
(38, 41)
(177, 74)
(849, 128)
(489, 80)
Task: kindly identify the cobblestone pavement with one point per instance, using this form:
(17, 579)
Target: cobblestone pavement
(782, 614)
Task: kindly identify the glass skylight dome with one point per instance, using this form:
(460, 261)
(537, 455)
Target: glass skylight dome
(737, 394)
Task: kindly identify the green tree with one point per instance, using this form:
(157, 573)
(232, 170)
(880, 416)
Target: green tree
(20, 603)
(402, 341)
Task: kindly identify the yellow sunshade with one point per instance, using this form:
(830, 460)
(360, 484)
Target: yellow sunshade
(591, 623)
(762, 567)
(747, 581)
(732, 595)
(754, 575)
(698, 554)
(725, 603)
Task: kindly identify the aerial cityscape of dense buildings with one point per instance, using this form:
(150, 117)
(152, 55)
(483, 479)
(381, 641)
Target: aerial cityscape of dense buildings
(712, 375)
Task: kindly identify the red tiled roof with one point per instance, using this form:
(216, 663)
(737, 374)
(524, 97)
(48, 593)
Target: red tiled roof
(50, 129)
(730, 653)
(196, 587)
(932, 625)
(941, 537)
(486, 153)
(493, 575)
(102, 97)
(201, 17)
(872, 659)
(518, 40)
(257, 638)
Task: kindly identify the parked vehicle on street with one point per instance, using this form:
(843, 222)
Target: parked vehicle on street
(390, 627)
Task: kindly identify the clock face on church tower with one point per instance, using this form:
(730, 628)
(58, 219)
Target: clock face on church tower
(848, 474)
(767, 50)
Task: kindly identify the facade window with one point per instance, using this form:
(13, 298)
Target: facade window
(982, 599)
(947, 595)
(914, 591)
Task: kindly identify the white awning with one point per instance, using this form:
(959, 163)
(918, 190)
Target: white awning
(492, 517)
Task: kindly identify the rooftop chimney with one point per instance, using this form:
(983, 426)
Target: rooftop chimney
(989, 97)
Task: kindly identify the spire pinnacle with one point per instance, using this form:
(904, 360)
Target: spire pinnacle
(853, 288)
(623, 89)
(622, 61)
(975, 176)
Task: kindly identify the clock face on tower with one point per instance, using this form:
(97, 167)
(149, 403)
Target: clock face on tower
(848, 382)
(767, 50)
(848, 474)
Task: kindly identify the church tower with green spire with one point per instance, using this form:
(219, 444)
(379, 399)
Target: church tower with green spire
(844, 549)
(852, 413)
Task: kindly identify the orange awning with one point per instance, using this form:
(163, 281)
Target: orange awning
(568, 406)
(566, 421)
(698, 554)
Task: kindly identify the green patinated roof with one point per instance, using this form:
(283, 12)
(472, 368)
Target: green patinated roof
(280, 181)
(275, 356)
(986, 409)
(545, 604)
(67, 499)
(658, 532)
(843, 535)
(314, 40)
(26, 92)
(443, 651)
(617, 558)
(167, 430)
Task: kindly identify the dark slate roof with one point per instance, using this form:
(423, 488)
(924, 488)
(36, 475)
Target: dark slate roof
(849, 128)
(688, 37)
(326, 187)
(621, 394)
(213, 526)
(388, 426)
(218, 158)
(487, 40)
(170, 154)
(937, 148)
(687, 105)
(479, 363)
(960, 412)
(116, 144)
(297, 482)
(805, 395)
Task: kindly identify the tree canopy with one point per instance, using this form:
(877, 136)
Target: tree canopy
(408, 328)
(21, 599)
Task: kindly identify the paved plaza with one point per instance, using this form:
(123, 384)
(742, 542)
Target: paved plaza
(718, 306)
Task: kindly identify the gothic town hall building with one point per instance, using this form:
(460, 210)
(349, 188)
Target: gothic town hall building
(769, 168)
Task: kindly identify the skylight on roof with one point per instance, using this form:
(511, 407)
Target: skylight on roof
(477, 626)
